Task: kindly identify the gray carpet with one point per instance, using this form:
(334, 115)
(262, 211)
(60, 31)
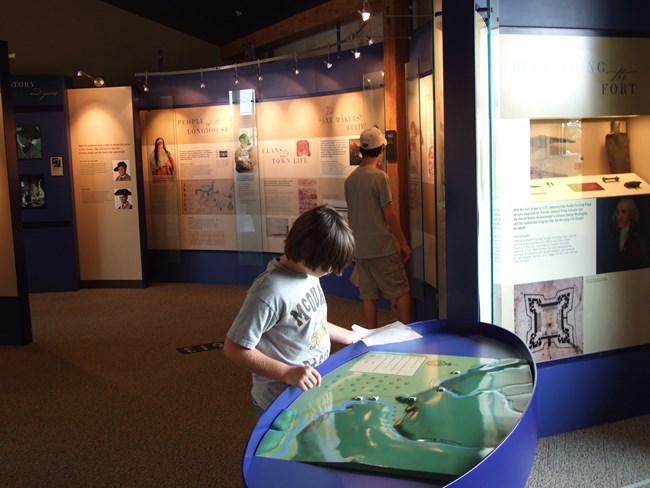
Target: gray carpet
(104, 398)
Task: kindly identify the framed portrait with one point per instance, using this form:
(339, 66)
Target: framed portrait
(29, 143)
(56, 166)
(32, 191)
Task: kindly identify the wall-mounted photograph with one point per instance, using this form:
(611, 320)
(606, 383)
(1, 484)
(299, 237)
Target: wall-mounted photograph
(29, 142)
(56, 166)
(32, 191)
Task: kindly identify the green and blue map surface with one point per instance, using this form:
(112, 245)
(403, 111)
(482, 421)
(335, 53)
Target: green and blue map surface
(421, 415)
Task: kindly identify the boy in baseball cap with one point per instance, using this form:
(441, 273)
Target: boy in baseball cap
(380, 265)
(372, 138)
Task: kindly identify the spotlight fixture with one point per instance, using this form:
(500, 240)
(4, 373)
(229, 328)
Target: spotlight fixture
(327, 62)
(365, 11)
(98, 81)
(371, 41)
(236, 77)
(356, 52)
(145, 85)
(259, 71)
(202, 85)
(295, 64)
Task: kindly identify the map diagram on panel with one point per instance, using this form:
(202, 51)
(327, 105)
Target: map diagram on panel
(418, 415)
(208, 197)
(548, 318)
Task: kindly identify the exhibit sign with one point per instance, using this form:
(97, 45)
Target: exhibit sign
(559, 75)
(105, 184)
(297, 153)
(570, 198)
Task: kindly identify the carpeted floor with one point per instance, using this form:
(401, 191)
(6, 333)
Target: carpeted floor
(103, 397)
(125, 388)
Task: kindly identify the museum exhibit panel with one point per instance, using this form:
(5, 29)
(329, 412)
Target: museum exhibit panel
(45, 166)
(292, 152)
(566, 164)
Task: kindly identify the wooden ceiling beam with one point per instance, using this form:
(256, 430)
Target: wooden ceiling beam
(296, 27)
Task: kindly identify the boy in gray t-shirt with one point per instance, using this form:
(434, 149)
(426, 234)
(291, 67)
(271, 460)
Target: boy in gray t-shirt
(281, 332)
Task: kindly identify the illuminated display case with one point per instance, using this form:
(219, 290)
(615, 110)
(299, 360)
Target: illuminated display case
(569, 201)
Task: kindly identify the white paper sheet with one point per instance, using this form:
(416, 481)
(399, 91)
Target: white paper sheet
(388, 334)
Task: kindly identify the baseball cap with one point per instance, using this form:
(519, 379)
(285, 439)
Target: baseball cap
(372, 138)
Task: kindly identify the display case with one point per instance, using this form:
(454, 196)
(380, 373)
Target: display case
(569, 204)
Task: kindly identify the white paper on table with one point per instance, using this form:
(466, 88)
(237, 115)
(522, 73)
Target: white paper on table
(388, 334)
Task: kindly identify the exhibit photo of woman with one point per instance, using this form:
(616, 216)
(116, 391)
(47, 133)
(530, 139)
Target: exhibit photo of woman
(161, 161)
(623, 233)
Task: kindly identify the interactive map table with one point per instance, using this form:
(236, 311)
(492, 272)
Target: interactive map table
(433, 411)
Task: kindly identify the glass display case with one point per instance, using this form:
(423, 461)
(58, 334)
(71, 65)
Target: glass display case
(569, 203)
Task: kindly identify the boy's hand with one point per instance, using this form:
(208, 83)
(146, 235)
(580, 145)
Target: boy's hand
(304, 377)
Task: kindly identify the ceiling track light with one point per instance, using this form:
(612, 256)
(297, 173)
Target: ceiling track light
(236, 76)
(295, 64)
(202, 85)
(145, 85)
(356, 52)
(327, 62)
(365, 11)
(98, 81)
(259, 71)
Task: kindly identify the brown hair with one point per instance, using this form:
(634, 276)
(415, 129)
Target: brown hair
(321, 238)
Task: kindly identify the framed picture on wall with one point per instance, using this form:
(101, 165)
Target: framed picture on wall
(29, 144)
(32, 191)
(56, 166)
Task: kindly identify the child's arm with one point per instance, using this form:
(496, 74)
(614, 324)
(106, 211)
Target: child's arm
(304, 377)
(341, 335)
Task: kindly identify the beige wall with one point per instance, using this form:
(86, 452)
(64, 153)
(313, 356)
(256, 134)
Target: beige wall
(57, 38)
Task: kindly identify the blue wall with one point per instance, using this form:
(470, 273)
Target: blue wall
(49, 232)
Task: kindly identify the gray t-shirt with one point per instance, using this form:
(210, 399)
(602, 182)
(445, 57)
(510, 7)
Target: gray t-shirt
(284, 316)
(367, 193)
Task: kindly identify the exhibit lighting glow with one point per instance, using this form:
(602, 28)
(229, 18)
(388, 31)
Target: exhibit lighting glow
(259, 71)
(236, 77)
(370, 41)
(295, 65)
(145, 85)
(202, 85)
(327, 62)
(365, 11)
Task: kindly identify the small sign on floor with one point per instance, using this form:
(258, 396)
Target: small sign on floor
(210, 346)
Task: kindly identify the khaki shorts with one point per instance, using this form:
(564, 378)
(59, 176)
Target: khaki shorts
(384, 275)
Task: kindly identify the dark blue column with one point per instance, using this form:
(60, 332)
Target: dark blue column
(460, 160)
(16, 325)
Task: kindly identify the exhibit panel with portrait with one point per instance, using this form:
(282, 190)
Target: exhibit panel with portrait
(570, 202)
(220, 172)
